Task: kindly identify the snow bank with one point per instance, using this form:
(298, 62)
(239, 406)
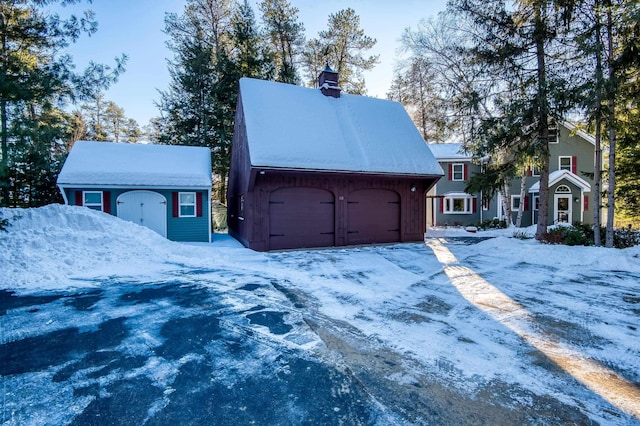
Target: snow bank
(59, 246)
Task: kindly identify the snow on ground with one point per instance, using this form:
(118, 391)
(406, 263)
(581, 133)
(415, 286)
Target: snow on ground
(475, 315)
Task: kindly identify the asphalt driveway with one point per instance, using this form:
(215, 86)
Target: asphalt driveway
(237, 347)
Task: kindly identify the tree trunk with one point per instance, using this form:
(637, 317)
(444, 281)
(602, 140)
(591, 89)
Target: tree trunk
(506, 202)
(4, 165)
(543, 123)
(597, 163)
(612, 135)
(523, 188)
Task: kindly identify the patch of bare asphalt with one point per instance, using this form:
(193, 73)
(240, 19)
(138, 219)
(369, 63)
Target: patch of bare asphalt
(420, 397)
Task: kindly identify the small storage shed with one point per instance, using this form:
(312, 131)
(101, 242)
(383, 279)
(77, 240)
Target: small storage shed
(166, 188)
(317, 168)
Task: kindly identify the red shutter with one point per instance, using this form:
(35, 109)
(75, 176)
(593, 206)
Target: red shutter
(199, 204)
(586, 202)
(465, 167)
(106, 202)
(526, 203)
(574, 165)
(475, 205)
(174, 204)
(528, 170)
(79, 198)
(450, 171)
(442, 205)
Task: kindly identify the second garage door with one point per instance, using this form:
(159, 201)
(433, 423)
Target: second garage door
(301, 217)
(373, 216)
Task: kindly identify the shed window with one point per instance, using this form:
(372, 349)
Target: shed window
(93, 200)
(187, 206)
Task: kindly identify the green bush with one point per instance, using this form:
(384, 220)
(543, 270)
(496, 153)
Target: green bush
(491, 224)
(626, 237)
(581, 234)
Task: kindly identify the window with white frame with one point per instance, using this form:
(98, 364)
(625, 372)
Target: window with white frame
(457, 172)
(93, 200)
(187, 204)
(553, 132)
(458, 204)
(565, 163)
(515, 203)
(536, 202)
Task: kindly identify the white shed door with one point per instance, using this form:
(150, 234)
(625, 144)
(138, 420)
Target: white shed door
(146, 208)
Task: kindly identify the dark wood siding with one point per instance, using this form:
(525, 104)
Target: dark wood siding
(301, 217)
(387, 209)
(373, 215)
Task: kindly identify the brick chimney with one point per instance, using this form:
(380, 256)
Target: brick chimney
(328, 82)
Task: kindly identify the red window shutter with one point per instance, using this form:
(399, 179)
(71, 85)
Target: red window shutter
(475, 205)
(79, 198)
(586, 202)
(528, 170)
(574, 165)
(174, 204)
(450, 171)
(199, 204)
(526, 203)
(442, 205)
(465, 167)
(106, 202)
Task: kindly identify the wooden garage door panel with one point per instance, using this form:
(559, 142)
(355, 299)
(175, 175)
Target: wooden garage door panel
(373, 216)
(301, 217)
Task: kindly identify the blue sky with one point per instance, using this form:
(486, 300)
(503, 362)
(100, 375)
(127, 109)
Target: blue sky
(134, 27)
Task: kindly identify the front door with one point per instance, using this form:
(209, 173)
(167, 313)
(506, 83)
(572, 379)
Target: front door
(562, 212)
(146, 208)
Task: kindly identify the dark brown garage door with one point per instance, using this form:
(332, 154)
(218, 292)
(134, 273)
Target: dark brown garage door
(373, 216)
(301, 217)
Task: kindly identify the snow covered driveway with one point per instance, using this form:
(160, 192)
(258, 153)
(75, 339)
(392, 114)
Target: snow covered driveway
(103, 322)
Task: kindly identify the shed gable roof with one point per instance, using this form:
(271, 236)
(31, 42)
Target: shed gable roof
(293, 127)
(136, 165)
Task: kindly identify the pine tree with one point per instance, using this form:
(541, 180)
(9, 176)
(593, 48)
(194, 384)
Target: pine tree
(214, 46)
(344, 45)
(285, 35)
(36, 81)
(530, 89)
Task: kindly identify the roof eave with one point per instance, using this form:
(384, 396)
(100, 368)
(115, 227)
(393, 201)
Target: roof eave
(260, 169)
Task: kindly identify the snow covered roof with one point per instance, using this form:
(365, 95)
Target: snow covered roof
(558, 175)
(93, 164)
(448, 151)
(293, 127)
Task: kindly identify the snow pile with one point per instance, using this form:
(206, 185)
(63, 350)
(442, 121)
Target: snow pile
(59, 246)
